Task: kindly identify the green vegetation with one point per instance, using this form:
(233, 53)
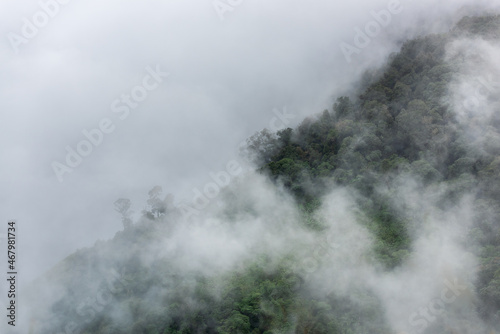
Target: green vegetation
(400, 126)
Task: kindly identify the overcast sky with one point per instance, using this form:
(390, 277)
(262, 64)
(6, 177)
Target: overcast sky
(228, 70)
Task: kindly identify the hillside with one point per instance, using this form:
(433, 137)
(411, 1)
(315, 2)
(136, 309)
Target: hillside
(355, 221)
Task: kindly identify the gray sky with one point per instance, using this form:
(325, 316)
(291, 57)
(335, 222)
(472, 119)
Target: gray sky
(225, 78)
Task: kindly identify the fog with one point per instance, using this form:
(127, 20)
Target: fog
(229, 75)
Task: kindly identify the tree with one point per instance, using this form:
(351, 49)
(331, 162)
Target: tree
(158, 207)
(343, 107)
(261, 147)
(122, 206)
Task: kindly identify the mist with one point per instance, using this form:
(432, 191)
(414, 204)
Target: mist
(230, 73)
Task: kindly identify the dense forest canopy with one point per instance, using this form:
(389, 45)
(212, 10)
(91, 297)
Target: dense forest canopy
(380, 215)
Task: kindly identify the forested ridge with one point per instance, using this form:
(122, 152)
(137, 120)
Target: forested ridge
(400, 134)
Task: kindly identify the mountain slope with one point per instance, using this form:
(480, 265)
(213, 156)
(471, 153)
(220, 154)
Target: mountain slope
(351, 224)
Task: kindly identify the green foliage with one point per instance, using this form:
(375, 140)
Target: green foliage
(397, 128)
(486, 26)
(343, 107)
(393, 242)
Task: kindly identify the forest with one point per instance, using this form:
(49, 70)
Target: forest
(378, 215)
